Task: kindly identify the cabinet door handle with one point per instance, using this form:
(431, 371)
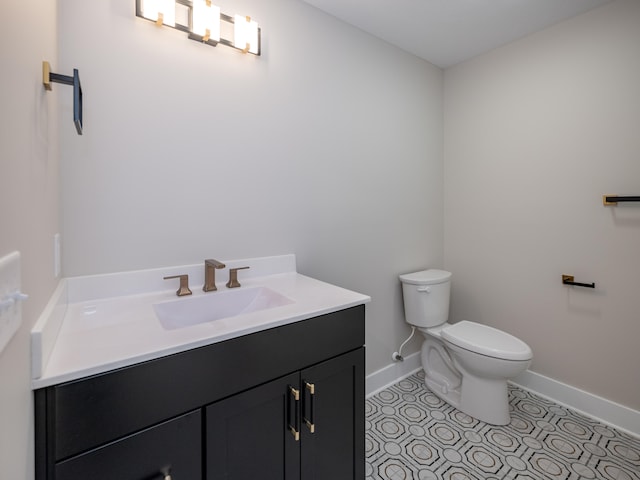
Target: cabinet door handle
(294, 410)
(309, 418)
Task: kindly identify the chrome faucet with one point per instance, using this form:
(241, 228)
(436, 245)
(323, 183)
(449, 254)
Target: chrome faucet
(210, 274)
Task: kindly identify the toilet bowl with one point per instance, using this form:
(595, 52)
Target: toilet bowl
(466, 364)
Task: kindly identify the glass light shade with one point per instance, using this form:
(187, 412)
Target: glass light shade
(152, 8)
(245, 33)
(206, 18)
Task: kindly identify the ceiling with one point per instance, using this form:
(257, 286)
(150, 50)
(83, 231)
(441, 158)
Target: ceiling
(446, 32)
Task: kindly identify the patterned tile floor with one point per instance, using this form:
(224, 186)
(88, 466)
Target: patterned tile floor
(412, 434)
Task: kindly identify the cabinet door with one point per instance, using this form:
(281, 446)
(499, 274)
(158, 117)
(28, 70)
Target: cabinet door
(173, 447)
(248, 434)
(333, 419)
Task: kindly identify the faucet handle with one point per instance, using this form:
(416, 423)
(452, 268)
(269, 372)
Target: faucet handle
(233, 277)
(184, 285)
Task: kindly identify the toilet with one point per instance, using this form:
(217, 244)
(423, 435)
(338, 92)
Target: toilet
(466, 364)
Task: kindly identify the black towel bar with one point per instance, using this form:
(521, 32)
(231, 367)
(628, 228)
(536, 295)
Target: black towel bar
(614, 199)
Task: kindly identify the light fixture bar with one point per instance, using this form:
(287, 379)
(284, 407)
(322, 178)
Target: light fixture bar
(247, 33)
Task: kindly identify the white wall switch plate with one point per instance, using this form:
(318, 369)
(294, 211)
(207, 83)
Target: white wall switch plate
(10, 298)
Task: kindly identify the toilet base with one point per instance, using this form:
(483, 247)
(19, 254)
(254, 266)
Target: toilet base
(452, 397)
(485, 399)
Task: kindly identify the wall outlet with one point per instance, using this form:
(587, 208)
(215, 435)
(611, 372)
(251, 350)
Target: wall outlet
(56, 255)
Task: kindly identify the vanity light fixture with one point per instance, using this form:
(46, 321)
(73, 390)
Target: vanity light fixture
(202, 21)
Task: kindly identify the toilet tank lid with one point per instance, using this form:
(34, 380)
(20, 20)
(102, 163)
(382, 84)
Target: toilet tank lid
(426, 277)
(487, 341)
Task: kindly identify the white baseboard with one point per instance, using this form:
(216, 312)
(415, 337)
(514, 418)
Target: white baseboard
(618, 416)
(392, 373)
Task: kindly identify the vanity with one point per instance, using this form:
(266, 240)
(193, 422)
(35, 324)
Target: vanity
(273, 393)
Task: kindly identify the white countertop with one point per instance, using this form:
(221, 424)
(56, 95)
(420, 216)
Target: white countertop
(97, 334)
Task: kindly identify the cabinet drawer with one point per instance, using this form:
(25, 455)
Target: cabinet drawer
(173, 447)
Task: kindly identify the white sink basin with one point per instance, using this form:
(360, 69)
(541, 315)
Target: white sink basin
(214, 306)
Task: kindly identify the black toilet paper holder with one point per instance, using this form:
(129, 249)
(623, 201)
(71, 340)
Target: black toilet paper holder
(569, 280)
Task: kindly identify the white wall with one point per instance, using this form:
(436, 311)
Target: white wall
(334, 153)
(535, 133)
(328, 146)
(28, 206)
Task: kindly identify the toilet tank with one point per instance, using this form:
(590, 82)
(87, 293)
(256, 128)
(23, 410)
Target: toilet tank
(426, 297)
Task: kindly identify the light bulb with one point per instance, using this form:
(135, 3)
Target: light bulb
(245, 34)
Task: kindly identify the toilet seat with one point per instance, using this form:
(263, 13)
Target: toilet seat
(486, 340)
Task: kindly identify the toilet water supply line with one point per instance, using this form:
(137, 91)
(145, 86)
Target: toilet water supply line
(397, 356)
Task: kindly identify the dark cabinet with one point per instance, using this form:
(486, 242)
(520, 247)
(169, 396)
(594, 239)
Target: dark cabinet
(169, 449)
(283, 403)
(307, 425)
(247, 435)
(332, 432)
